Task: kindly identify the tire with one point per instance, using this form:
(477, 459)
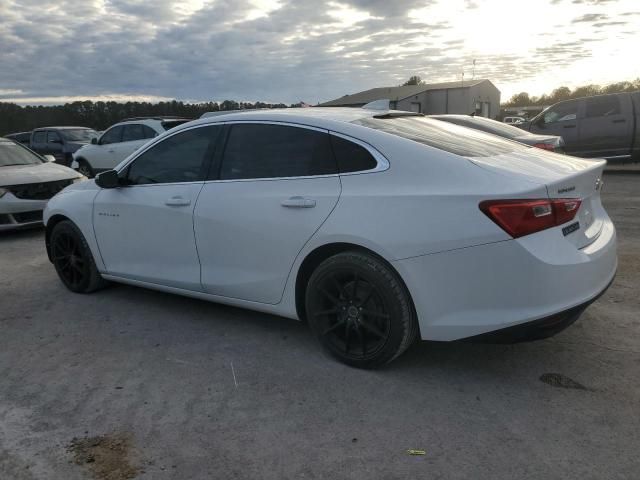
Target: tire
(360, 310)
(73, 260)
(85, 169)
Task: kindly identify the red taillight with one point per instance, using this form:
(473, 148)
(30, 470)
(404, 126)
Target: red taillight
(523, 217)
(545, 146)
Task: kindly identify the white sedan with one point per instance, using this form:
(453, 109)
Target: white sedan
(376, 227)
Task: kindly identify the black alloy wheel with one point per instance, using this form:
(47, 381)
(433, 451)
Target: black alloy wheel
(360, 310)
(73, 260)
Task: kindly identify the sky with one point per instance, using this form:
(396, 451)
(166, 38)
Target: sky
(305, 50)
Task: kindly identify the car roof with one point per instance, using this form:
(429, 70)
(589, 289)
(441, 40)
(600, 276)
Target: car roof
(62, 128)
(322, 117)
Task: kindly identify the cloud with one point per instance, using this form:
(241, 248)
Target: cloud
(271, 50)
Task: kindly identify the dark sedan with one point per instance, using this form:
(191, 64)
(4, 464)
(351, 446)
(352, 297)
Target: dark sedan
(551, 143)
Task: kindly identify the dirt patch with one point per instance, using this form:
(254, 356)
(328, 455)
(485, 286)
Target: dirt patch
(561, 381)
(106, 456)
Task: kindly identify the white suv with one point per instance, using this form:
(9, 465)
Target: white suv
(119, 141)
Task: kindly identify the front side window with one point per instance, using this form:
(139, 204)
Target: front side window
(350, 156)
(113, 135)
(149, 132)
(39, 137)
(565, 112)
(602, 106)
(179, 158)
(53, 137)
(274, 151)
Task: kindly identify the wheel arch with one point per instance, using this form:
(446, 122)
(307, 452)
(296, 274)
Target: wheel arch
(318, 255)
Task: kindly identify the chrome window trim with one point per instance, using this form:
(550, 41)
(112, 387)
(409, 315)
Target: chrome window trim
(382, 162)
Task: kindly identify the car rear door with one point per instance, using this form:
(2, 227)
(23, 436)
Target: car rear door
(144, 230)
(606, 129)
(272, 188)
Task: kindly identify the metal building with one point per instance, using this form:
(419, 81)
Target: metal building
(479, 96)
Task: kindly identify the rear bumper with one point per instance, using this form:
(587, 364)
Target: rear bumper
(537, 329)
(472, 291)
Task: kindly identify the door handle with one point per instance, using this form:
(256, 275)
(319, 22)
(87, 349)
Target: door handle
(110, 151)
(177, 201)
(569, 126)
(298, 202)
(620, 120)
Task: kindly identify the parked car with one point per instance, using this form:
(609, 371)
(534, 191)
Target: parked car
(27, 181)
(376, 227)
(20, 137)
(60, 142)
(513, 120)
(546, 142)
(603, 126)
(119, 141)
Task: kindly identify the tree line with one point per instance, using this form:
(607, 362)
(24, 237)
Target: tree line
(100, 115)
(523, 99)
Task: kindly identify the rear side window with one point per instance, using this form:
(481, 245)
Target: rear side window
(39, 137)
(602, 106)
(179, 158)
(272, 151)
(133, 131)
(113, 135)
(350, 156)
(443, 136)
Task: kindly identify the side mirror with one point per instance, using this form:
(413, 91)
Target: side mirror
(94, 140)
(49, 158)
(108, 179)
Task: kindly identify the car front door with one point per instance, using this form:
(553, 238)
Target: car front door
(133, 137)
(561, 120)
(54, 146)
(103, 154)
(144, 229)
(274, 187)
(605, 130)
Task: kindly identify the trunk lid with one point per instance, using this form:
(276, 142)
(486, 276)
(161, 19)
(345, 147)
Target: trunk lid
(564, 177)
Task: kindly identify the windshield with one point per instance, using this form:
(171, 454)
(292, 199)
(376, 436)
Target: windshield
(444, 136)
(79, 134)
(14, 154)
(486, 125)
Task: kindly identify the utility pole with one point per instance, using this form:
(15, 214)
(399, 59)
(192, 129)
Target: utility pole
(473, 74)
(462, 82)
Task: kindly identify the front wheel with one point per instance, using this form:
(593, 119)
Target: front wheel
(360, 310)
(73, 260)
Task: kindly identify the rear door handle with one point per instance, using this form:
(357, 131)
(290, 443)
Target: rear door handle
(298, 202)
(110, 151)
(620, 120)
(177, 201)
(569, 126)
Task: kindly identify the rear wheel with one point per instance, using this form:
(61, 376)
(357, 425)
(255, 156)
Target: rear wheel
(85, 169)
(360, 310)
(73, 260)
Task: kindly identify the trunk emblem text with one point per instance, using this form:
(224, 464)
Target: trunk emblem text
(566, 189)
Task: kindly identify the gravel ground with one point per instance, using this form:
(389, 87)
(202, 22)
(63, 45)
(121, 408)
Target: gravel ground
(131, 383)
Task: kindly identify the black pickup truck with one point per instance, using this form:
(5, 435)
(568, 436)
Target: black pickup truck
(604, 126)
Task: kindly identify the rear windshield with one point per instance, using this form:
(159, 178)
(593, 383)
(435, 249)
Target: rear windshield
(79, 135)
(444, 136)
(486, 125)
(13, 154)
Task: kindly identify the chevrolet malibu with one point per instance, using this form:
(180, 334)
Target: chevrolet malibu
(375, 227)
